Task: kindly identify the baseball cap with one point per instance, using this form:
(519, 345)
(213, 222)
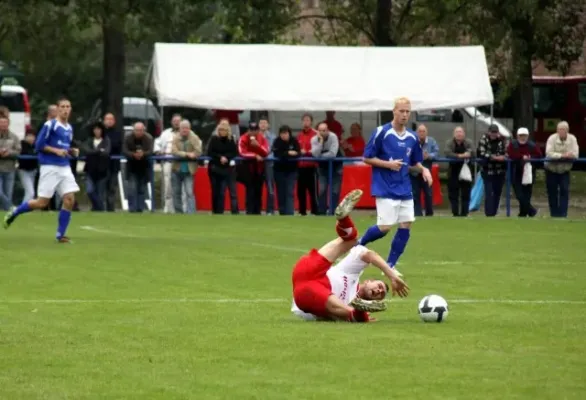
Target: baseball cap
(252, 126)
(493, 128)
(522, 131)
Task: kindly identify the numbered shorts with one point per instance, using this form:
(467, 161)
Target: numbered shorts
(392, 212)
(311, 286)
(59, 179)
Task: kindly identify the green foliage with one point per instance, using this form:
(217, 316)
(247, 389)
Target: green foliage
(256, 21)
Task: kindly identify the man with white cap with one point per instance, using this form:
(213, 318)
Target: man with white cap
(521, 151)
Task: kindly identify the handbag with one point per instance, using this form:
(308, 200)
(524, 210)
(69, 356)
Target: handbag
(527, 178)
(465, 173)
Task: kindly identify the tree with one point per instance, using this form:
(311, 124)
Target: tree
(255, 21)
(517, 33)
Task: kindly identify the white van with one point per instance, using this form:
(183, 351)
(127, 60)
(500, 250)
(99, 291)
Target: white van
(15, 98)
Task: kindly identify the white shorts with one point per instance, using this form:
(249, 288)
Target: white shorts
(54, 178)
(392, 212)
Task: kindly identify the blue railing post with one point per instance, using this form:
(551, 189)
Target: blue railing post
(330, 194)
(508, 189)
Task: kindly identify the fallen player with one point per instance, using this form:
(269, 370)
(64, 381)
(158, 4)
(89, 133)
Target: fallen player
(325, 292)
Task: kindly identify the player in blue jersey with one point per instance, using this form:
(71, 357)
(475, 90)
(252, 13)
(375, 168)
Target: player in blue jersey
(54, 148)
(391, 151)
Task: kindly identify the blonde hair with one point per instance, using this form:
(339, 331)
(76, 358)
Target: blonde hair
(4, 112)
(224, 123)
(402, 100)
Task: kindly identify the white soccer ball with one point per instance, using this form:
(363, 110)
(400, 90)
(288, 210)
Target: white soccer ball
(433, 308)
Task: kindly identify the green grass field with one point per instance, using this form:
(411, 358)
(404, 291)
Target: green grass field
(197, 307)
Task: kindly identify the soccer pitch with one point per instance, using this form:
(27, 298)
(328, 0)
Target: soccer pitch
(197, 307)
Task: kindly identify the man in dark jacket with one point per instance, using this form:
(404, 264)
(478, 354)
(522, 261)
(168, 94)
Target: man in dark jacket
(115, 138)
(520, 152)
(137, 147)
(491, 150)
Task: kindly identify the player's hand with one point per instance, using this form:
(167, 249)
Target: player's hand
(74, 152)
(399, 287)
(426, 174)
(395, 165)
(61, 152)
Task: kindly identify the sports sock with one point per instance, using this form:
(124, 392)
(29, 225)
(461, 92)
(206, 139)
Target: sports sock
(22, 209)
(373, 233)
(64, 218)
(398, 246)
(357, 316)
(346, 229)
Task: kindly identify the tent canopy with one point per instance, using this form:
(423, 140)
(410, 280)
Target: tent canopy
(309, 78)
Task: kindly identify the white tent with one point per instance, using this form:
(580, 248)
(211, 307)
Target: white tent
(281, 78)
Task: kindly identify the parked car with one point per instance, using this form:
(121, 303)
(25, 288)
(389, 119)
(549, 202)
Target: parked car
(134, 109)
(15, 98)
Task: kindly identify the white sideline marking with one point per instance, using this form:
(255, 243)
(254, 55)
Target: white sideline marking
(275, 300)
(107, 232)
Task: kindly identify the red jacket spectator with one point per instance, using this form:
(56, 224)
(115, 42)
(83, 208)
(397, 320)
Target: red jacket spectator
(252, 144)
(517, 150)
(304, 139)
(357, 143)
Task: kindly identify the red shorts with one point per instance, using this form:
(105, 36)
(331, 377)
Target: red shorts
(311, 286)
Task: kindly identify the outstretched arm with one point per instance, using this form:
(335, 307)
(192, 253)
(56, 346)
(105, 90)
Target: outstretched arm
(397, 284)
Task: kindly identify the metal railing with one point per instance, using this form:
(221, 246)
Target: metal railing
(330, 161)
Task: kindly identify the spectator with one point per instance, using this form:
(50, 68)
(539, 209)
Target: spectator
(253, 147)
(51, 114)
(286, 148)
(492, 150)
(116, 139)
(306, 181)
(97, 151)
(334, 125)
(28, 168)
(325, 145)
(354, 145)
(4, 111)
(562, 145)
(233, 117)
(520, 151)
(162, 147)
(458, 147)
(9, 151)
(137, 148)
(186, 145)
(430, 153)
(263, 124)
(222, 150)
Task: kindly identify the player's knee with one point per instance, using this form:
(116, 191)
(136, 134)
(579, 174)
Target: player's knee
(68, 201)
(41, 202)
(405, 225)
(384, 228)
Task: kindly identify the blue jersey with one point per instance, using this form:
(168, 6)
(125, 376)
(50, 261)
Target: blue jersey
(54, 134)
(385, 144)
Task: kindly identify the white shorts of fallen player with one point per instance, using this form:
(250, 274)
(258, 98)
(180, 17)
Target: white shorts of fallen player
(392, 212)
(56, 179)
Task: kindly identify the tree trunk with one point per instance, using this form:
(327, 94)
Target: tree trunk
(523, 98)
(382, 28)
(114, 69)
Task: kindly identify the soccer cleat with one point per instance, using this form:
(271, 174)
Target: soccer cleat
(347, 204)
(64, 239)
(9, 218)
(368, 305)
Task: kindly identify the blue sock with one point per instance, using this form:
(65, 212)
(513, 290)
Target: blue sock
(64, 218)
(22, 209)
(373, 233)
(398, 246)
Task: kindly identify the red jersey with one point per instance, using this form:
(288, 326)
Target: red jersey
(357, 144)
(304, 139)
